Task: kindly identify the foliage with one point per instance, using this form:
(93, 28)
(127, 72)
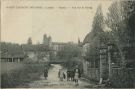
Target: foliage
(71, 63)
(71, 55)
(12, 49)
(121, 24)
(20, 77)
(120, 20)
(123, 79)
(97, 26)
(69, 52)
(52, 55)
(95, 35)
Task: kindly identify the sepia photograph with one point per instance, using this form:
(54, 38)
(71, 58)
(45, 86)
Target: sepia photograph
(67, 44)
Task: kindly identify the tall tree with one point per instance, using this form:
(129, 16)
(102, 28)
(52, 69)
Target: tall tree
(97, 26)
(95, 35)
(117, 20)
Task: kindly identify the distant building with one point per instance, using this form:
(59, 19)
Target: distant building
(36, 52)
(47, 40)
(12, 58)
(11, 53)
(57, 46)
(30, 51)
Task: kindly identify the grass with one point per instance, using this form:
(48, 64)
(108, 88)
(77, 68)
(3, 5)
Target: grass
(21, 77)
(9, 66)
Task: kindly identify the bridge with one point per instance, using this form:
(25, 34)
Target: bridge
(57, 62)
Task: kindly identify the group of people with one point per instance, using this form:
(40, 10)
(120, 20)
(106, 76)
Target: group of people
(70, 75)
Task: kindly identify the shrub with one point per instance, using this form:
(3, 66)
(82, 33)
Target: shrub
(21, 77)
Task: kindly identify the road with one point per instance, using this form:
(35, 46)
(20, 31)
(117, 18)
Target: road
(54, 82)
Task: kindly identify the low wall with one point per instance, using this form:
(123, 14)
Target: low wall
(93, 74)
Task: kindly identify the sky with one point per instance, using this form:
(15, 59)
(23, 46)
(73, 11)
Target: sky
(24, 19)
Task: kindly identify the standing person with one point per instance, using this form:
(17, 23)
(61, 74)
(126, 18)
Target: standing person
(76, 75)
(72, 75)
(45, 73)
(64, 76)
(68, 75)
(61, 75)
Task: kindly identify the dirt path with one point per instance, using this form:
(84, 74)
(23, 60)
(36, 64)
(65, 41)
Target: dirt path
(54, 82)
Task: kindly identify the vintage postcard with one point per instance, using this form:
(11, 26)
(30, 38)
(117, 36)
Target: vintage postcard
(67, 44)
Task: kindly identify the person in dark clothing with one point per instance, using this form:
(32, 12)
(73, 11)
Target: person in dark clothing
(72, 75)
(59, 74)
(64, 76)
(45, 73)
(68, 75)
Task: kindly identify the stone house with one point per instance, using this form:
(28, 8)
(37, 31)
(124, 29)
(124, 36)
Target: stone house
(57, 46)
(90, 67)
(107, 63)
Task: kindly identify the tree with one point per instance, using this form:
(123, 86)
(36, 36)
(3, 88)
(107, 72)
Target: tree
(98, 22)
(95, 35)
(69, 52)
(118, 20)
(71, 55)
(29, 41)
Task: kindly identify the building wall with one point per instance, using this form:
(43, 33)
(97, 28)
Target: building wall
(57, 47)
(19, 59)
(90, 68)
(85, 48)
(32, 55)
(91, 72)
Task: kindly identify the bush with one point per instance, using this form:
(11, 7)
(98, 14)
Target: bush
(123, 79)
(22, 76)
